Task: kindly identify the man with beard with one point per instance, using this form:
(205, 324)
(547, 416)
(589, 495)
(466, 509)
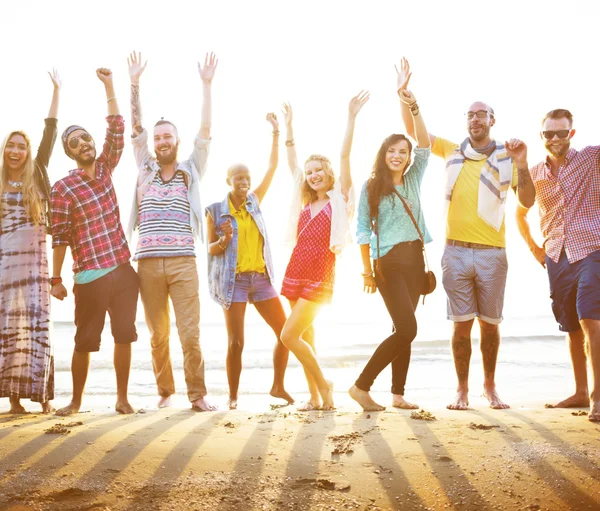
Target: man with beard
(567, 187)
(85, 217)
(479, 172)
(168, 213)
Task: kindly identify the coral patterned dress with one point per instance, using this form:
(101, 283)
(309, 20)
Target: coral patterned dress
(310, 274)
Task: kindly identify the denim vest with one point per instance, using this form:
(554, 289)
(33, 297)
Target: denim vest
(221, 267)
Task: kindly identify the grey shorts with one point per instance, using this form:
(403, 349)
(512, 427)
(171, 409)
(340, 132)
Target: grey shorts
(474, 280)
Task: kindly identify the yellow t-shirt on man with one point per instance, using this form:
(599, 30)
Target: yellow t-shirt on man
(463, 222)
(250, 241)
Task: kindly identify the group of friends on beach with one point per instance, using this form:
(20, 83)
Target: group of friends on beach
(80, 211)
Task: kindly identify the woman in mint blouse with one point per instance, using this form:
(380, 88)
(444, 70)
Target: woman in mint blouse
(387, 235)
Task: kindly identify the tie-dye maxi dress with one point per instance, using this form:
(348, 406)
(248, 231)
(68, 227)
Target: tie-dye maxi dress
(26, 354)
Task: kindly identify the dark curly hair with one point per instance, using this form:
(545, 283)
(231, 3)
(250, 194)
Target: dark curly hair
(381, 181)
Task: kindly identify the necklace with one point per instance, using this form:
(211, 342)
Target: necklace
(15, 184)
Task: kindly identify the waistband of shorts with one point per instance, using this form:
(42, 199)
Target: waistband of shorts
(466, 244)
(249, 274)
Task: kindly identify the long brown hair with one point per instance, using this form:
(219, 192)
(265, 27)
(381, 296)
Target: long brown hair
(32, 199)
(381, 181)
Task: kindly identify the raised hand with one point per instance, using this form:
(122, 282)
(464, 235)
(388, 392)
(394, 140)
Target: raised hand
(272, 120)
(207, 72)
(134, 61)
(286, 108)
(58, 291)
(517, 150)
(407, 97)
(403, 74)
(55, 79)
(357, 102)
(105, 75)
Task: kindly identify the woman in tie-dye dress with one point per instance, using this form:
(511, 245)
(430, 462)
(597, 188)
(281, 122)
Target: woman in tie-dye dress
(26, 355)
(321, 211)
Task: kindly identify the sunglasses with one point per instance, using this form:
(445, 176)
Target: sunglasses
(74, 142)
(549, 134)
(480, 114)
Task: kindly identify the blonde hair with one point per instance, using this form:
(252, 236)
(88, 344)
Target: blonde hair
(31, 194)
(308, 194)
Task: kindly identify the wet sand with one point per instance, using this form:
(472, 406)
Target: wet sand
(280, 459)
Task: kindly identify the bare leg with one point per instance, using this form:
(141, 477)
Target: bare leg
(314, 401)
(16, 407)
(122, 362)
(47, 407)
(461, 352)
(80, 365)
(591, 327)
(234, 320)
(302, 316)
(272, 312)
(578, 359)
(490, 343)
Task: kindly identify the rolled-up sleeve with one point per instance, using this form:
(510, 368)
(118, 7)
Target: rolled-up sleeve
(200, 155)
(363, 227)
(113, 142)
(61, 218)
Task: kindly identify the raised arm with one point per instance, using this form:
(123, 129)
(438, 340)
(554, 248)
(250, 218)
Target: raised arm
(525, 190)
(538, 252)
(290, 146)
(207, 74)
(53, 112)
(402, 78)
(106, 77)
(420, 131)
(134, 62)
(49, 137)
(262, 188)
(356, 103)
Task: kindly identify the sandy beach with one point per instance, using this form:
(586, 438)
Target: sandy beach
(174, 459)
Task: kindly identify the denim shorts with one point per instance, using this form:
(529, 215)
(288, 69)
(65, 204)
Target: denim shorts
(574, 290)
(474, 280)
(251, 287)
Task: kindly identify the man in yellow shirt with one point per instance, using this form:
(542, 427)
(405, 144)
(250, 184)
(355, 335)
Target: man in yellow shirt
(479, 173)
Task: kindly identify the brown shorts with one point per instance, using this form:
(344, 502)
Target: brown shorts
(115, 293)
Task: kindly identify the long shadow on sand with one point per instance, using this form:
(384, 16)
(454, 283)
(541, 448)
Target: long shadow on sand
(567, 491)
(15, 423)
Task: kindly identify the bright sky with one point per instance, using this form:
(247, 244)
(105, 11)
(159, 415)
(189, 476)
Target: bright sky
(522, 57)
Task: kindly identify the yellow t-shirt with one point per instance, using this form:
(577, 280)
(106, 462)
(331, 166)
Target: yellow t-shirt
(250, 241)
(463, 222)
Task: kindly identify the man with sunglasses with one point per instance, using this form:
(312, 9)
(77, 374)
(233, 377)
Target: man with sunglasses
(567, 187)
(85, 217)
(479, 173)
(167, 212)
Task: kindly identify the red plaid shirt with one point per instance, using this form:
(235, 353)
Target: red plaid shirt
(570, 204)
(85, 212)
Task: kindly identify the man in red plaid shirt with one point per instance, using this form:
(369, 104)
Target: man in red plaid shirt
(567, 186)
(85, 217)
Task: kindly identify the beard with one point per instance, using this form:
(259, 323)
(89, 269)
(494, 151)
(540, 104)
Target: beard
(83, 160)
(558, 151)
(482, 135)
(168, 158)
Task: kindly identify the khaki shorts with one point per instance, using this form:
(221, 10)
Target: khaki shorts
(474, 280)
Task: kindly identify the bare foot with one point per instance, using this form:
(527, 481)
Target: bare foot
(70, 409)
(495, 402)
(461, 401)
(594, 415)
(164, 402)
(310, 405)
(124, 408)
(328, 397)
(16, 407)
(398, 401)
(280, 393)
(232, 403)
(202, 405)
(577, 400)
(364, 399)
(47, 407)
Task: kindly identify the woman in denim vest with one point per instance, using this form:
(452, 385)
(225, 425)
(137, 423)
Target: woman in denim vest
(240, 268)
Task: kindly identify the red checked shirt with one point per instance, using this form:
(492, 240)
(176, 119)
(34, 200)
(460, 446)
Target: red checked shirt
(570, 204)
(85, 212)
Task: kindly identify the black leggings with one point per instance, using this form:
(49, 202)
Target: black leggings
(399, 280)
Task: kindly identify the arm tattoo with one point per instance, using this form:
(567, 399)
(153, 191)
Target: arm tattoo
(524, 178)
(136, 109)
